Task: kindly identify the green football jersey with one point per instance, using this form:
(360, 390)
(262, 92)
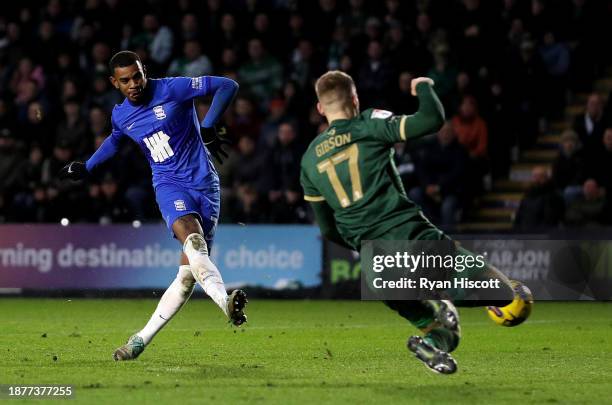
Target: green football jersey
(350, 166)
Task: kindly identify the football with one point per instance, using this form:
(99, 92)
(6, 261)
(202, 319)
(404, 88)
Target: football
(517, 311)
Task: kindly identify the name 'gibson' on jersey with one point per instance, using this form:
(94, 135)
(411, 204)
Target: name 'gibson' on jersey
(329, 144)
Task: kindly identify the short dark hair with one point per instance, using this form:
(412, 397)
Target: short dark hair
(123, 59)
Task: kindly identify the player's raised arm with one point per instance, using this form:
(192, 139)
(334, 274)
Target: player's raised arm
(429, 118)
(79, 170)
(223, 91)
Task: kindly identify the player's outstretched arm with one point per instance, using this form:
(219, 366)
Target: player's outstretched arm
(430, 116)
(80, 171)
(324, 216)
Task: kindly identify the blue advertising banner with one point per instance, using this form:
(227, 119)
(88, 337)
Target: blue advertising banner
(122, 256)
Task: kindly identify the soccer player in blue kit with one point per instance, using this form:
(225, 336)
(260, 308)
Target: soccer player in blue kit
(159, 115)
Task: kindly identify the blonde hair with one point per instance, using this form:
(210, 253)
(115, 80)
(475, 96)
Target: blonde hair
(335, 90)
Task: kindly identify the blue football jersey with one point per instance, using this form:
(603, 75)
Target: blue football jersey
(167, 129)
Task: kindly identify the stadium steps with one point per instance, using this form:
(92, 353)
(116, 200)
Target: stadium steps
(510, 185)
(496, 208)
(480, 227)
(549, 141)
(574, 109)
(539, 155)
(603, 85)
(500, 214)
(522, 171)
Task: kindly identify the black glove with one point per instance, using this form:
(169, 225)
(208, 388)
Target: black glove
(214, 140)
(74, 171)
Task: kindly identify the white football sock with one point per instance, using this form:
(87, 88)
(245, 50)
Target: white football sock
(173, 299)
(204, 270)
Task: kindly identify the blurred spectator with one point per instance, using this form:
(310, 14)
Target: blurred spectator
(229, 36)
(193, 63)
(471, 129)
(282, 179)
(441, 166)
(276, 114)
(402, 101)
(103, 94)
(474, 36)
(25, 74)
(590, 125)
(37, 129)
(556, 58)
(72, 130)
(305, 67)
(262, 75)
(11, 165)
(374, 77)
(472, 133)
(106, 204)
(524, 78)
(599, 164)
(498, 113)
(243, 166)
(590, 208)
(541, 207)
(247, 206)
(569, 167)
(189, 28)
(157, 38)
(354, 19)
(443, 74)
(245, 121)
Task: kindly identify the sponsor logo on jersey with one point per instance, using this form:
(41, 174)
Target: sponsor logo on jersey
(332, 143)
(160, 114)
(197, 83)
(381, 114)
(159, 146)
(179, 205)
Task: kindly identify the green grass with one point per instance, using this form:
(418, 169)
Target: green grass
(303, 352)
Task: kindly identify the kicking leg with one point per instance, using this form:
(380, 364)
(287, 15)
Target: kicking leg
(439, 322)
(189, 231)
(170, 303)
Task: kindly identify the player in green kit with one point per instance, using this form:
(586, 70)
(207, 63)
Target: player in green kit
(349, 177)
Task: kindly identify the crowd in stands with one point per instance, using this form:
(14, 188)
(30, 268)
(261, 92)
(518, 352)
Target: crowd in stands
(504, 69)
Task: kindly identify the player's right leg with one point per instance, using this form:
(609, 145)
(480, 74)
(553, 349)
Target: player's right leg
(193, 225)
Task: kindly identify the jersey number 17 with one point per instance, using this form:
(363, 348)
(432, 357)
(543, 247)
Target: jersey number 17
(328, 166)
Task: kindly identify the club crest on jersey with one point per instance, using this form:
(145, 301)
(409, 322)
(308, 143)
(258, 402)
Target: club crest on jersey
(179, 205)
(160, 114)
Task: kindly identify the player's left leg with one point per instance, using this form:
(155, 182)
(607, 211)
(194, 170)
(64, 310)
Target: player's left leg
(170, 303)
(438, 321)
(188, 230)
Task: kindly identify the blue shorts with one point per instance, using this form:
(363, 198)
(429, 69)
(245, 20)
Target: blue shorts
(175, 201)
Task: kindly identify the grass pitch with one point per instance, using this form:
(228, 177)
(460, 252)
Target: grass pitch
(303, 352)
